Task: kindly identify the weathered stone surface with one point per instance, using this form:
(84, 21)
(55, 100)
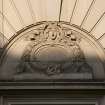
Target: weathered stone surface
(52, 50)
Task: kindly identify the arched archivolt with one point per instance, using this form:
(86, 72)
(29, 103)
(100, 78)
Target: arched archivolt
(52, 51)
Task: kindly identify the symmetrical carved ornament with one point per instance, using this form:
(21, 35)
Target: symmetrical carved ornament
(52, 50)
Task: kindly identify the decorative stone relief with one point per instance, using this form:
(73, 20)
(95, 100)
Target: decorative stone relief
(52, 51)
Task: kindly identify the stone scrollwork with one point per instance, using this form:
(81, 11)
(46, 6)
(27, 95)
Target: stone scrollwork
(53, 50)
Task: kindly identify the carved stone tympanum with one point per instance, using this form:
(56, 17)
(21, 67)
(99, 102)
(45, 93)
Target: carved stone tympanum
(52, 50)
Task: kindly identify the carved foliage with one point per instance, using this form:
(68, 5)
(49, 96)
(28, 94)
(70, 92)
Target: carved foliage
(53, 50)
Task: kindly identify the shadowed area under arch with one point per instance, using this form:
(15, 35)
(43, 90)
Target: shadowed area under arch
(52, 51)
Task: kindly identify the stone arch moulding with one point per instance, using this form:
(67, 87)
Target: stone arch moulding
(52, 51)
